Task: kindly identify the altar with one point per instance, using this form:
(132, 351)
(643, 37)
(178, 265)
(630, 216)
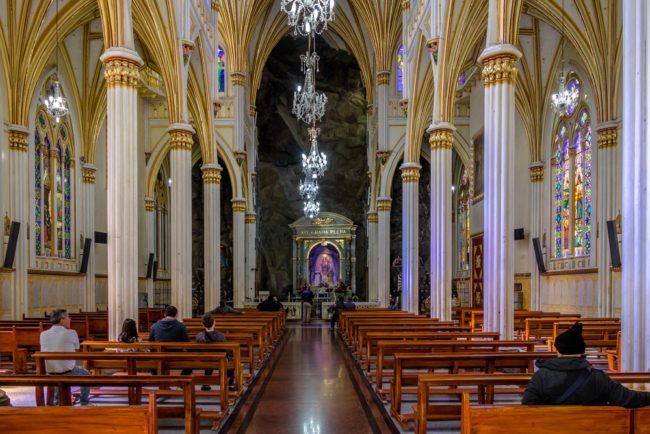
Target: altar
(324, 251)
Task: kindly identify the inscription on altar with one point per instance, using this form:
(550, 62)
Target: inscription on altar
(324, 232)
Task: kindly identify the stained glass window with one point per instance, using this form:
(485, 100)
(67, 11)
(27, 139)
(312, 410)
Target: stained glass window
(463, 222)
(572, 181)
(221, 66)
(461, 80)
(53, 192)
(400, 69)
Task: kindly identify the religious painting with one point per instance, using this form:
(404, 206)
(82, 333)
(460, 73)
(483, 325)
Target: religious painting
(478, 157)
(477, 271)
(324, 266)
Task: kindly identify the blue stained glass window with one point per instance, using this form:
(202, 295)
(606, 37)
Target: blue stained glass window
(221, 65)
(400, 69)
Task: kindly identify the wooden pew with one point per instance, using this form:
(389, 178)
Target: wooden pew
(344, 317)
(9, 345)
(371, 341)
(597, 336)
(80, 420)
(356, 324)
(520, 317)
(256, 331)
(162, 347)
(481, 385)
(403, 380)
(82, 327)
(614, 356)
(562, 419)
(219, 320)
(388, 349)
(542, 328)
(162, 362)
(187, 411)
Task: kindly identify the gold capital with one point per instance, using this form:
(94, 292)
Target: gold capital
(410, 174)
(148, 204)
(370, 110)
(88, 175)
(238, 78)
(607, 138)
(537, 174)
(383, 205)
(441, 139)
(500, 69)
(181, 140)
(215, 5)
(211, 175)
(383, 78)
(239, 206)
(249, 219)
(406, 4)
(18, 141)
(373, 218)
(121, 71)
(252, 111)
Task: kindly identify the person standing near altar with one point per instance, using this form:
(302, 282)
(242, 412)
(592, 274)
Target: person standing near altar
(307, 296)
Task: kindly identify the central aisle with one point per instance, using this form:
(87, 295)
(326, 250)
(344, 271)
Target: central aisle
(307, 387)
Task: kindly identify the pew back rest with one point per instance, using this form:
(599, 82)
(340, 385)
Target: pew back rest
(78, 420)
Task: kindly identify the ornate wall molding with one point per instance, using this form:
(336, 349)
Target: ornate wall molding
(54, 273)
(568, 272)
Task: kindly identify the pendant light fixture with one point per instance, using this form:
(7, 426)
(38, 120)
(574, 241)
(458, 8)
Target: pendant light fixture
(55, 105)
(565, 101)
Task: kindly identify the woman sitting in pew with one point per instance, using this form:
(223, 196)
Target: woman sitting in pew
(568, 380)
(129, 335)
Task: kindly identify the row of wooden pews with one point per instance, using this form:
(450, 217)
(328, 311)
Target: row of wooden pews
(404, 354)
(251, 338)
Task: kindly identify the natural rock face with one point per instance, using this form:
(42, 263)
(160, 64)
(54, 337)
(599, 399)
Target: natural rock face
(282, 141)
(424, 236)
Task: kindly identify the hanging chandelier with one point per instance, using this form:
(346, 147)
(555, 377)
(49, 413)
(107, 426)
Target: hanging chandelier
(308, 189)
(312, 208)
(309, 105)
(55, 104)
(566, 100)
(307, 16)
(315, 163)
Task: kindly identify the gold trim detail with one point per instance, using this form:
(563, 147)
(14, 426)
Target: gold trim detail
(607, 138)
(87, 175)
(537, 174)
(252, 111)
(410, 175)
(406, 4)
(180, 140)
(373, 218)
(500, 69)
(18, 141)
(323, 221)
(370, 112)
(215, 5)
(148, 205)
(383, 206)
(383, 78)
(237, 78)
(441, 139)
(239, 207)
(615, 269)
(574, 271)
(249, 219)
(121, 71)
(522, 275)
(4, 270)
(54, 273)
(212, 176)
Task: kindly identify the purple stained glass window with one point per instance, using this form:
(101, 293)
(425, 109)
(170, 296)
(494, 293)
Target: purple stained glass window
(221, 66)
(400, 69)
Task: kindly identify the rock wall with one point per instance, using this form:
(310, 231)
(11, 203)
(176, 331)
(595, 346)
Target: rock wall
(283, 140)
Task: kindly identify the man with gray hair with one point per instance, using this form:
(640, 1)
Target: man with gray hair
(60, 339)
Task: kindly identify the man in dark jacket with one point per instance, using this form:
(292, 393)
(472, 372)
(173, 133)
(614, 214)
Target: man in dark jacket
(224, 308)
(569, 375)
(210, 335)
(169, 329)
(335, 309)
(349, 305)
(307, 296)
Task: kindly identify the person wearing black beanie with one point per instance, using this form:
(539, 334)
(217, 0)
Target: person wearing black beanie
(568, 380)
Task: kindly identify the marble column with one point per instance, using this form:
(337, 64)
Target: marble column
(373, 220)
(499, 73)
(383, 84)
(88, 231)
(121, 76)
(212, 234)
(19, 212)
(383, 251)
(607, 192)
(239, 251)
(251, 259)
(150, 218)
(441, 140)
(635, 259)
(536, 212)
(410, 232)
(180, 154)
(238, 80)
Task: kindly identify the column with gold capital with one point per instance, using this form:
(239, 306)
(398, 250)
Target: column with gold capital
(150, 219)
(121, 76)
(212, 234)
(180, 139)
(410, 230)
(251, 259)
(373, 220)
(238, 80)
(441, 140)
(536, 228)
(19, 212)
(88, 231)
(383, 250)
(238, 251)
(499, 74)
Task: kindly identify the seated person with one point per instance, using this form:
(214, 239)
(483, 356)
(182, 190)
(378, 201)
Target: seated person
(349, 306)
(271, 304)
(129, 335)
(224, 308)
(211, 335)
(60, 339)
(568, 380)
(335, 309)
(169, 329)
(392, 305)
(276, 304)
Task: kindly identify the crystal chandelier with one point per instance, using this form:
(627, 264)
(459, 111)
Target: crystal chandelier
(312, 208)
(309, 105)
(315, 163)
(307, 16)
(309, 190)
(565, 101)
(55, 105)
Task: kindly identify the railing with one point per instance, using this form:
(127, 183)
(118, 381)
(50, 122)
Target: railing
(150, 82)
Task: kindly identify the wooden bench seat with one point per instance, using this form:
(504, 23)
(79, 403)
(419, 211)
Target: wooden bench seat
(356, 325)
(598, 336)
(9, 346)
(542, 328)
(344, 317)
